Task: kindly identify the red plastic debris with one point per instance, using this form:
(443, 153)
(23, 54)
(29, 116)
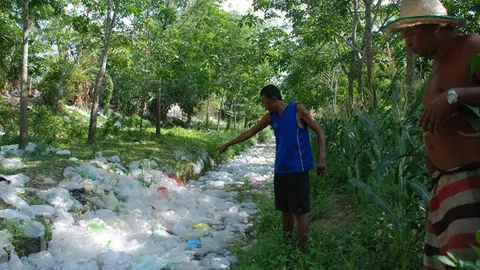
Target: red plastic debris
(163, 191)
(255, 181)
(178, 181)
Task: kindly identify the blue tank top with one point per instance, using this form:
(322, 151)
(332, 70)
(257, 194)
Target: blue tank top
(293, 150)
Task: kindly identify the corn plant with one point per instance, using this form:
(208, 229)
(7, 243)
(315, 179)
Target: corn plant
(385, 161)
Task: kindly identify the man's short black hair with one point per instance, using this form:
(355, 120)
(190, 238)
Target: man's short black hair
(271, 91)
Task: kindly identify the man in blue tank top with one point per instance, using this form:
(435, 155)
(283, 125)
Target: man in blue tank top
(293, 158)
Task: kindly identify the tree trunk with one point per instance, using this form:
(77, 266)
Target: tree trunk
(220, 113)
(30, 81)
(146, 79)
(159, 111)
(335, 95)
(78, 96)
(335, 76)
(24, 81)
(359, 76)
(229, 121)
(86, 95)
(207, 118)
(354, 67)
(245, 124)
(142, 114)
(369, 50)
(63, 76)
(234, 121)
(101, 73)
(351, 80)
(234, 114)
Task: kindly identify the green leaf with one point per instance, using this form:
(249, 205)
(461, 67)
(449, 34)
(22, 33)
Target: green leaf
(475, 65)
(477, 236)
(371, 194)
(470, 265)
(453, 257)
(421, 190)
(475, 110)
(444, 260)
(418, 102)
(477, 250)
(386, 162)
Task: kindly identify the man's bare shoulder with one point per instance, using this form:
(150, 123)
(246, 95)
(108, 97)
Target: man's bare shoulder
(472, 43)
(301, 107)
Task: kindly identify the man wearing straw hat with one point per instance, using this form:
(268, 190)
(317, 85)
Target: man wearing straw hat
(451, 99)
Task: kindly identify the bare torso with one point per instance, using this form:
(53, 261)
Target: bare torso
(448, 148)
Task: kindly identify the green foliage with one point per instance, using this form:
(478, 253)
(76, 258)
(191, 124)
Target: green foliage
(23, 244)
(9, 121)
(106, 94)
(387, 158)
(265, 135)
(10, 36)
(46, 126)
(341, 236)
(49, 86)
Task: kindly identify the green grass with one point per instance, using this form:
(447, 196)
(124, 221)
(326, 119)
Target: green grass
(166, 149)
(343, 235)
(23, 244)
(348, 230)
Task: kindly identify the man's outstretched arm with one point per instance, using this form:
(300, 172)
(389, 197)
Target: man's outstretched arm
(263, 123)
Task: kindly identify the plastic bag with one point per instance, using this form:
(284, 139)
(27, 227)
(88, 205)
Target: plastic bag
(34, 229)
(148, 263)
(9, 213)
(191, 244)
(42, 260)
(202, 226)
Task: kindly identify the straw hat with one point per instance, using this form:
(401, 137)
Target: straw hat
(417, 12)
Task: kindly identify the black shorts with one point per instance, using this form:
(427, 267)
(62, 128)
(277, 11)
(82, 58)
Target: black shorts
(292, 192)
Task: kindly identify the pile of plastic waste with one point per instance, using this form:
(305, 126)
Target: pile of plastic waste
(138, 218)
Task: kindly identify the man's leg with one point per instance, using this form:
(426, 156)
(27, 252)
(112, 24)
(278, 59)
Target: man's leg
(281, 204)
(302, 231)
(287, 225)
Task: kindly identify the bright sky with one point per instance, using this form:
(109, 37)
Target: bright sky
(242, 6)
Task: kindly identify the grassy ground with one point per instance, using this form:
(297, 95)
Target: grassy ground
(347, 231)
